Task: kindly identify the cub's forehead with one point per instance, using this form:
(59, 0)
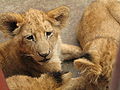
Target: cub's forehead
(35, 16)
(37, 20)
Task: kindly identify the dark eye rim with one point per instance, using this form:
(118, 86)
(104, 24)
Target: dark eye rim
(30, 37)
(48, 33)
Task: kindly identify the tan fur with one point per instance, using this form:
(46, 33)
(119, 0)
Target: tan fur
(22, 53)
(45, 82)
(99, 36)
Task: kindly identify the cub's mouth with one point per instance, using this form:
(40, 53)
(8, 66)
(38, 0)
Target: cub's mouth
(28, 58)
(44, 60)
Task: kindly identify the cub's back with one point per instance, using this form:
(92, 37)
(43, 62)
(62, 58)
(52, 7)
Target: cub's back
(97, 22)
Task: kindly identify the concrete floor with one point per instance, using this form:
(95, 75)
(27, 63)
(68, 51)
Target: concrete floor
(68, 34)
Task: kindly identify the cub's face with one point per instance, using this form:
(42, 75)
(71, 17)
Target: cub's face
(36, 31)
(39, 36)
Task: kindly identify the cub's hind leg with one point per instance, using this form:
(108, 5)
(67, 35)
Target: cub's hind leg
(103, 53)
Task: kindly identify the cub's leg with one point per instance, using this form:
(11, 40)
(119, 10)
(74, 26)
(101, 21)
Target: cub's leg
(103, 53)
(70, 52)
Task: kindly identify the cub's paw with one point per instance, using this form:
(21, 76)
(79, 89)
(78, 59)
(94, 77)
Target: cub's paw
(88, 69)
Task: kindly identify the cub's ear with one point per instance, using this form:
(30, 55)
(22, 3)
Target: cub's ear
(9, 23)
(59, 16)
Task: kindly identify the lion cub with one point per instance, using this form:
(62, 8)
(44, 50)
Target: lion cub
(35, 44)
(99, 37)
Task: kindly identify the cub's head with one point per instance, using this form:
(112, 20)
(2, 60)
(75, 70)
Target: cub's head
(35, 32)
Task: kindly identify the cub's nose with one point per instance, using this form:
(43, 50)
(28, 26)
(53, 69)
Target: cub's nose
(44, 54)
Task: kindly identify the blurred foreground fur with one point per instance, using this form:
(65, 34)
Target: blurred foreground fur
(45, 82)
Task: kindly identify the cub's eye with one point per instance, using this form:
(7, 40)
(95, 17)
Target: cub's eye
(48, 34)
(30, 37)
